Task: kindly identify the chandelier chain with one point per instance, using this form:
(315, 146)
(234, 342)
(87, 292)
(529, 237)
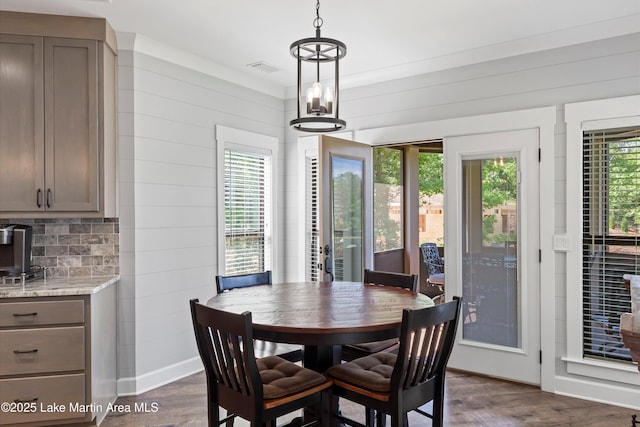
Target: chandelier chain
(317, 22)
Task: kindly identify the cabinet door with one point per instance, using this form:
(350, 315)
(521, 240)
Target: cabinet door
(71, 125)
(21, 123)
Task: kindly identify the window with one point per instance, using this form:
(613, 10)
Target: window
(431, 188)
(387, 199)
(246, 180)
(611, 235)
(603, 195)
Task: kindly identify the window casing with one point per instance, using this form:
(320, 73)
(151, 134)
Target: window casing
(246, 201)
(597, 252)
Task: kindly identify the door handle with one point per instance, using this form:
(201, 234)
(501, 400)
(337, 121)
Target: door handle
(48, 198)
(39, 198)
(328, 262)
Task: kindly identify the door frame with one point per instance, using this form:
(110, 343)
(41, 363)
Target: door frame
(542, 118)
(496, 358)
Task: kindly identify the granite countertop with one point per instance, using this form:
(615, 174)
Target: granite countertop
(57, 287)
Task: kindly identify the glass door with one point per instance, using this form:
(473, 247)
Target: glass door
(338, 212)
(494, 243)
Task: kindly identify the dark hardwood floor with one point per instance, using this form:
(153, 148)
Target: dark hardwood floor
(470, 401)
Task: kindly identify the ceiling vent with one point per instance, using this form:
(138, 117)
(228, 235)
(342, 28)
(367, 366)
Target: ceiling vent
(263, 66)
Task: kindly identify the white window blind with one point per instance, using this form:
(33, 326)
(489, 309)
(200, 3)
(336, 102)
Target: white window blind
(247, 198)
(611, 236)
(312, 229)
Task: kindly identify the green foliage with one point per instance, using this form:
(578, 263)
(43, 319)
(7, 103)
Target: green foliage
(430, 174)
(499, 184)
(387, 166)
(387, 187)
(499, 188)
(624, 225)
(347, 203)
(623, 189)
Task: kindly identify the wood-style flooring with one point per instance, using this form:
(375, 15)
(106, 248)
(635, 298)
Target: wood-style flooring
(470, 401)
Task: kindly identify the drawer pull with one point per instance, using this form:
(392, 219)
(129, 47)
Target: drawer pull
(35, 350)
(35, 399)
(25, 314)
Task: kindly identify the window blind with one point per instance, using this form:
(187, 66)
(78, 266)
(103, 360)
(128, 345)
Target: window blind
(312, 228)
(247, 196)
(611, 236)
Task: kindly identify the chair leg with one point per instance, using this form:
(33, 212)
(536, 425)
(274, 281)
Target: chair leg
(381, 419)
(370, 417)
(438, 406)
(326, 409)
(398, 420)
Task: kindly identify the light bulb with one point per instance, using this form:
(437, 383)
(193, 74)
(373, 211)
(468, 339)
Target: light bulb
(317, 90)
(328, 94)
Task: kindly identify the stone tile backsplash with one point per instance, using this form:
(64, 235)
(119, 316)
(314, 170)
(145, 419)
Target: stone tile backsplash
(86, 247)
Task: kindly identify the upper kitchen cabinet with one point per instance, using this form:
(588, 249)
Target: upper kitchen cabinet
(58, 118)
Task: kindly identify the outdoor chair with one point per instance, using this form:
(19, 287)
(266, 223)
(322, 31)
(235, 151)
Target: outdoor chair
(433, 263)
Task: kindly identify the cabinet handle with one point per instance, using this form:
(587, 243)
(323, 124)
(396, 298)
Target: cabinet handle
(35, 350)
(35, 399)
(48, 198)
(35, 313)
(39, 198)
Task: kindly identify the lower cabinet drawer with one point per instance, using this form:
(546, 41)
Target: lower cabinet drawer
(55, 397)
(38, 313)
(42, 350)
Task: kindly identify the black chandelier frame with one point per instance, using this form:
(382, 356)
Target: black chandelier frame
(318, 50)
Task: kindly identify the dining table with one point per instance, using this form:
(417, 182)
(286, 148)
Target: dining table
(322, 316)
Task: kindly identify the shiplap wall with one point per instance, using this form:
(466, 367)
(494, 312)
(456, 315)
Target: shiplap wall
(167, 174)
(601, 69)
(168, 207)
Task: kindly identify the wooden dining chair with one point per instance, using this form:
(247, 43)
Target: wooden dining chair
(290, 352)
(405, 281)
(258, 390)
(396, 384)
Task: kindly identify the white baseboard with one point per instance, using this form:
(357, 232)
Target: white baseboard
(132, 386)
(618, 395)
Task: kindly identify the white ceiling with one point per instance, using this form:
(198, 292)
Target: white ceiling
(384, 39)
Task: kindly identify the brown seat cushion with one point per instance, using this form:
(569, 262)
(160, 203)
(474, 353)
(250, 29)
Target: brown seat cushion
(369, 372)
(282, 378)
(374, 346)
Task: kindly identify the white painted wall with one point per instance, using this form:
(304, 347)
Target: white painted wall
(168, 212)
(602, 69)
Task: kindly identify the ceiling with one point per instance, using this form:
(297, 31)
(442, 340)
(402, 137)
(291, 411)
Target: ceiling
(385, 40)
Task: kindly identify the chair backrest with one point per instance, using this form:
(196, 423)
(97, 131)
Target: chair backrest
(426, 340)
(224, 283)
(225, 344)
(431, 258)
(399, 280)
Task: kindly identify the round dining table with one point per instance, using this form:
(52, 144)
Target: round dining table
(322, 315)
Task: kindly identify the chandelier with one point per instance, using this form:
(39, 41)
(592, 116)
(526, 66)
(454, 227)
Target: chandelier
(319, 104)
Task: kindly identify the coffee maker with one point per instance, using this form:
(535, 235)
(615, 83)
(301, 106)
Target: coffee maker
(15, 249)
